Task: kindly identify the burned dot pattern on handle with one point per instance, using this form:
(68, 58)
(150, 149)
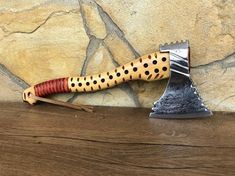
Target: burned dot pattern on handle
(164, 68)
(135, 69)
(145, 65)
(151, 67)
(147, 72)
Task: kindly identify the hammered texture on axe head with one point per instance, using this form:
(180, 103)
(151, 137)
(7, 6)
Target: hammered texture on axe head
(180, 99)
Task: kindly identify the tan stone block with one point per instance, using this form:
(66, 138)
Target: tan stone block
(27, 15)
(9, 91)
(119, 49)
(57, 48)
(216, 84)
(209, 25)
(100, 61)
(93, 20)
(16, 6)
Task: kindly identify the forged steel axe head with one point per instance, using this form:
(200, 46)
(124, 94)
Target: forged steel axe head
(181, 98)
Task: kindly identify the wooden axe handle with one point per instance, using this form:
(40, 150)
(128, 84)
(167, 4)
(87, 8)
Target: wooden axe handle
(154, 66)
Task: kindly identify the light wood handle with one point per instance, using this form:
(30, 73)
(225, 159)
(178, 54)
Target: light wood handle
(150, 67)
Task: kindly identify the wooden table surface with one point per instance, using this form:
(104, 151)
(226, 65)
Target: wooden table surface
(49, 140)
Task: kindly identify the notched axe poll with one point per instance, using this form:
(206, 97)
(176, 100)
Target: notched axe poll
(180, 99)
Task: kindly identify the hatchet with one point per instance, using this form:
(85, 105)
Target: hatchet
(180, 99)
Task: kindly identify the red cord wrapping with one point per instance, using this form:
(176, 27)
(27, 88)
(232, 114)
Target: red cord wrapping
(51, 87)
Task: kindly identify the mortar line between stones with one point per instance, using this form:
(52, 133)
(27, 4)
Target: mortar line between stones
(84, 19)
(15, 79)
(83, 70)
(85, 63)
(111, 55)
(130, 47)
(91, 48)
(93, 43)
(126, 86)
(107, 19)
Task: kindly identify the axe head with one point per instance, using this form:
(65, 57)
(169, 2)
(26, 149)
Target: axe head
(181, 98)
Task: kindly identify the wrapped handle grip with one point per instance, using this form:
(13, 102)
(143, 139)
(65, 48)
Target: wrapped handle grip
(52, 87)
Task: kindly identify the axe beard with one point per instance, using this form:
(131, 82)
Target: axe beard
(180, 99)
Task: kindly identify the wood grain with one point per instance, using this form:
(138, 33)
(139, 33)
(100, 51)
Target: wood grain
(53, 141)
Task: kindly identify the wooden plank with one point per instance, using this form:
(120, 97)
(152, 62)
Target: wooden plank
(51, 140)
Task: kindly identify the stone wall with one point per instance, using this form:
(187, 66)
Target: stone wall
(43, 39)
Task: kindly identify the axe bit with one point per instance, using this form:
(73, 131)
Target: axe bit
(180, 99)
